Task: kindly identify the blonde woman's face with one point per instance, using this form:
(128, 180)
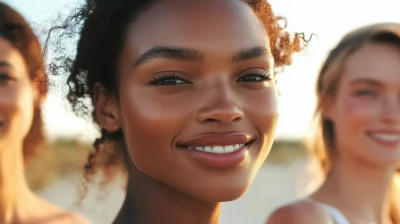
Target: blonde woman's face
(366, 109)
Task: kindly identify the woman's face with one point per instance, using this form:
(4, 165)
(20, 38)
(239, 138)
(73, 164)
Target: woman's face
(198, 101)
(16, 96)
(366, 111)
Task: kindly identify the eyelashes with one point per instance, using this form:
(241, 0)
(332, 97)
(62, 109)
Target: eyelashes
(366, 93)
(176, 78)
(4, 78)
(168, 79)
(255, 75)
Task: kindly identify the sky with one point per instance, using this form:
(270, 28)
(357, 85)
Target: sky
(329, 20)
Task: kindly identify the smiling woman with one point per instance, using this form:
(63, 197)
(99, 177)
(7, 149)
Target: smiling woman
(356, 139)
(186, 102)
(23, 87)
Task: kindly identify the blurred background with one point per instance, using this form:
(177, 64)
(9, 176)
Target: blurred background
(288, 169)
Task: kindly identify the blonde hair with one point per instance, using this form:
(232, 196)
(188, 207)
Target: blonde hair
(320, 142)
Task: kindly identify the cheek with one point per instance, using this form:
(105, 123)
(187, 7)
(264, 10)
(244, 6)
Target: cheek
(355, 116)
(150, 122)
(261, 106)
(16, 108)
(263, 111)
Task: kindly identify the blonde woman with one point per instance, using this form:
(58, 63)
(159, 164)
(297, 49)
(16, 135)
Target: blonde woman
(357, 135)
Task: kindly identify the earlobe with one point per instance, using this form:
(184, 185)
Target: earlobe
(38, 99)
(106, 108)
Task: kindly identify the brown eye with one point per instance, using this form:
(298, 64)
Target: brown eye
(258, 75)
(168, 79)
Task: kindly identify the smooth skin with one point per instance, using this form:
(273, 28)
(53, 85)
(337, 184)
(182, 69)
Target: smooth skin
(367, 104)
(219, 80)
(18, 95)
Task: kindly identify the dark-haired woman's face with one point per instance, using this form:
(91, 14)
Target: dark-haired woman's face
(198, 101)
(16, 96)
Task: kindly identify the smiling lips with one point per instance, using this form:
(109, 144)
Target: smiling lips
(387, 138)
(218, 143)
(218, 150)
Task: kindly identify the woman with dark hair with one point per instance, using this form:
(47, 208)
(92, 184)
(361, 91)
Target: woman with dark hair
(184, 92)
(23, 87)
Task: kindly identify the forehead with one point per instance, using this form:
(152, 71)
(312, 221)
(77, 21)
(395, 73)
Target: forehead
(374, 61)
(202, 24)
(9, 54)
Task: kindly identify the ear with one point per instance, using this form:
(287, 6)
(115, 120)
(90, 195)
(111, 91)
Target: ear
(106, 108)
(328, 107)
(39, 93)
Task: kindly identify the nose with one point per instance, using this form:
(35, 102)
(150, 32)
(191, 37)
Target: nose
(391, 110)
(220, 107)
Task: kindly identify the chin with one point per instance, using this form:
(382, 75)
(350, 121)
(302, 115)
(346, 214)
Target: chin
(224, 187)
(221, 193)
(383, 160)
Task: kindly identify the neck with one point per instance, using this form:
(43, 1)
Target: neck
(362, 192)
(148, 201)
(14, 192)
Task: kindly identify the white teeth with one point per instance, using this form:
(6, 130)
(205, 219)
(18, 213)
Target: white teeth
(228, 148)
(386, 137)
(207, 149)
(199, 148)
(217, 148)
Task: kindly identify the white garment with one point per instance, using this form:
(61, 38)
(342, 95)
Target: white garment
(337, 216)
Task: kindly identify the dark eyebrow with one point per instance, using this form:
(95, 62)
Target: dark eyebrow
(365, 81)
(5, 64)
(251, 53)
(173, 53)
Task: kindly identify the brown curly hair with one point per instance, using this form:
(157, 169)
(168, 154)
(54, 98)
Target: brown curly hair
(15, 29)
(104, 23)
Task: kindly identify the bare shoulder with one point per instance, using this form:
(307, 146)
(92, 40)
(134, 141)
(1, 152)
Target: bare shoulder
(72, 218)
(65, 217)
(52, 214)
(301, 212)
